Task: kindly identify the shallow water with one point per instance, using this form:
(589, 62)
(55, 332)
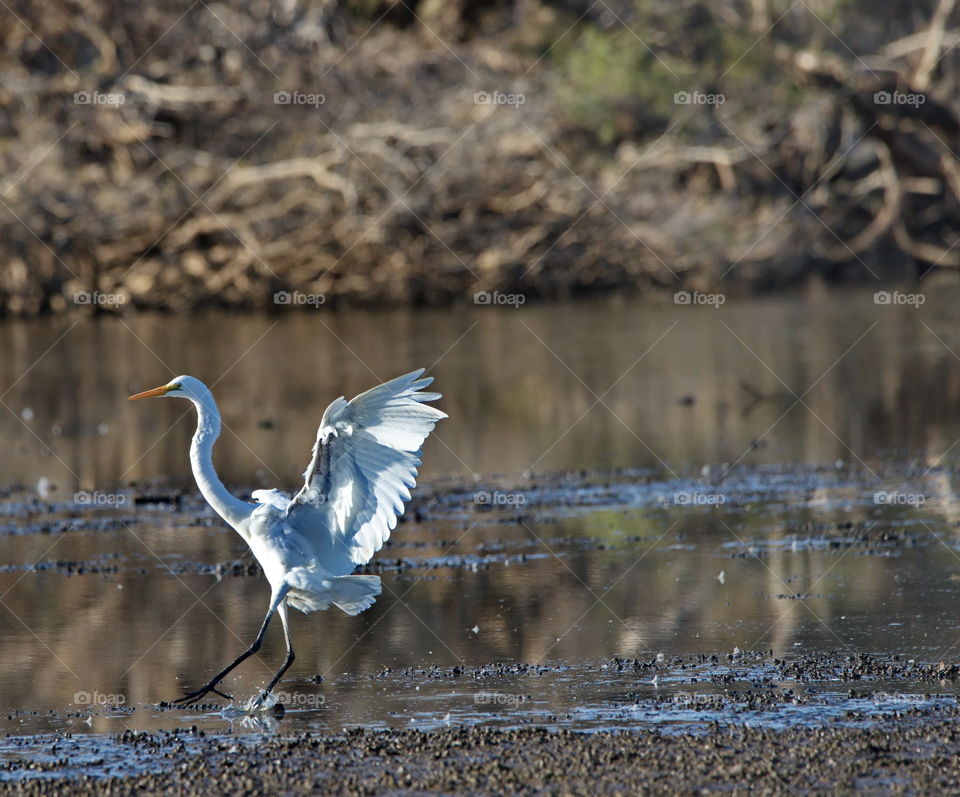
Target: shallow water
(789, 528)
(599, 384)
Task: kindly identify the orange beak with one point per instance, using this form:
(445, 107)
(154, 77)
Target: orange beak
(157, 391)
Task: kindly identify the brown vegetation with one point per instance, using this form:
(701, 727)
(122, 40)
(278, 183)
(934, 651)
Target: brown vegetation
(420, 152)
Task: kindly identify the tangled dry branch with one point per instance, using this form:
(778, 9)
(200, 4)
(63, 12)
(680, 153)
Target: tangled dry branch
(197, 154)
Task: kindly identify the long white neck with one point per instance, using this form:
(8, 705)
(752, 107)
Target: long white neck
(231, 509)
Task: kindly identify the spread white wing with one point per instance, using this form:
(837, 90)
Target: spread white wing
(364, 464)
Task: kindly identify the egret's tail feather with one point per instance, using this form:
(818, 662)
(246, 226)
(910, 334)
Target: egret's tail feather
(356, 593)
(311, 591)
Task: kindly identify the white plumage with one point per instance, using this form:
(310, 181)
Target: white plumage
(364, 464)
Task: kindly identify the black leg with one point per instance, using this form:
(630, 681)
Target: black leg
(194, 696)
(286, 664)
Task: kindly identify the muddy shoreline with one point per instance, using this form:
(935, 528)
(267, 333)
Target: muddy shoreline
(899, 755)
(874, 738)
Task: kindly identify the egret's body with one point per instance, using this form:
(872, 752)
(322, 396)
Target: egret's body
(364, 464)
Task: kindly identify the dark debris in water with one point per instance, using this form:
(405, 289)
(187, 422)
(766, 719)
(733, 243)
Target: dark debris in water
(830, 666)
(499, 669)
(67, 567)
(861, 666)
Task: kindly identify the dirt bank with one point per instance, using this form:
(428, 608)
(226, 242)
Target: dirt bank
(341, 153)
(901, 756)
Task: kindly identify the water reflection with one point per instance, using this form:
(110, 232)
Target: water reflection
(587, 385)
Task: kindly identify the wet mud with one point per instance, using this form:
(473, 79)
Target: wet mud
(917, 754)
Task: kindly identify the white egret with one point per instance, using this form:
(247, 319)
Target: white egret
(364, 464)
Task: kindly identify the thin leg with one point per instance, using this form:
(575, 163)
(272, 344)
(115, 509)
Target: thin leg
(194, 696)
(282, 610)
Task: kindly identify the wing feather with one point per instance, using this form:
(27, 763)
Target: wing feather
(364, 464)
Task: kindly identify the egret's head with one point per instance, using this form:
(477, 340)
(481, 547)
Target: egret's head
(181, 387)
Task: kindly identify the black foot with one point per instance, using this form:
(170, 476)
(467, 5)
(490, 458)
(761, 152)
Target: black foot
(258, 702)
(193, 697)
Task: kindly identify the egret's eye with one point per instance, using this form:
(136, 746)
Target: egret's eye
(174, 387)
